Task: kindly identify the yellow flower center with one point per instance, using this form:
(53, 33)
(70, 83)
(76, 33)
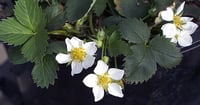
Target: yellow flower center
(176, 36)
(178, 22)
(104, 80)
(78, 54)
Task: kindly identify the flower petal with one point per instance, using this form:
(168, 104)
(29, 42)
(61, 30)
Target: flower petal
(115, 90)
(76, 42)
(90, 80)
(174, 40)
(69, 45)
(167, 15)
(185, 39)
(90, 48)
(76, 68)
(88, 62)
(101, 68)
(63, 58)
(186, 19)
(116, 74)
(180, 8)
(190, 27)
(169, 30)
(98, 93)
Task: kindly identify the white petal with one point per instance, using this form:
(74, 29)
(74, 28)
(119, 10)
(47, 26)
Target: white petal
(186, 19)
(101, 68)
(190, 27)
(90, 48)
(116, 74)
(76, 42)
(167, 15)
(180, 8)
(90, 80)
(69, 45)
(88, 62)
(185, 39)
(174, 40)
(98, 93)
(115, 90)
(76, 68)
(63, 58)
(169, 30)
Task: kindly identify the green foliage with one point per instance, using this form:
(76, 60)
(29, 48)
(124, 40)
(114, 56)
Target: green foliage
(12, 32)
(77, 9)
(162, 4)
(141, 65)
(15, 55)
(57, 47)
(44, 72)
(132, 8)
(134, 30)
(117, 46)
(100, 6)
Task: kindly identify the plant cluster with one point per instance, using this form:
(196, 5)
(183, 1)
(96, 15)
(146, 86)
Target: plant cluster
(137, 35)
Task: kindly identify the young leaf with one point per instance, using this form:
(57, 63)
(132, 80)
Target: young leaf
(30, 14)
(166, 53)
(77, 9)
(13, 32)
(100, 6)
(140, 66)
(132, 8)
(134, 30)
(117, 46)
(44, 72)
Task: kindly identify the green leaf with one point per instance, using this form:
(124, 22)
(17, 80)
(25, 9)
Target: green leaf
(134, 30)
(117, 46)
(162, 4)
(15, 56)
(55, 17)
(166, 53)
(30, 14)
(100, 6)
(57, 47)
(35, 47)
(13, 32)
(140, 66)
(111, 20)
(77, 9)
(44, 72)
(132, 8)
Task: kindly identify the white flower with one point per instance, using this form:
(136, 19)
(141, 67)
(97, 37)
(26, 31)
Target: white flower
(81, 54)
(182, 23)
(105, 79)
(183, 38)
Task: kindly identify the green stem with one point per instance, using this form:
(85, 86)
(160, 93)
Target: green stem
(91, 24)
(102, 52)
(144, 18)
(115, 59)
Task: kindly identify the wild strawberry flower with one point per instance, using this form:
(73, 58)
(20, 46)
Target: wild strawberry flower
(181, 27)
(105, 79)
(81, 55)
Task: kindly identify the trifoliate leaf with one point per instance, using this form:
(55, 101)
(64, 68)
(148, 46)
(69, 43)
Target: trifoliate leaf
(15, 56)
(140, 66)
(134, 30)
(57, 47)
(29, 14)
(100, 6)
(77, 9)
(12, 32)
(132, 8)
(166, 53)
(35, 47)
(117, 46)
(44, 72)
